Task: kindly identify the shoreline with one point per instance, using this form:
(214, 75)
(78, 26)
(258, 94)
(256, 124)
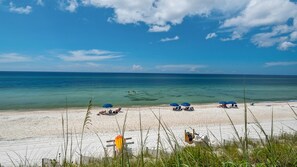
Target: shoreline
(133, 106)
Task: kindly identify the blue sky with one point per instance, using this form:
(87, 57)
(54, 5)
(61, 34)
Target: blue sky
(168, 36)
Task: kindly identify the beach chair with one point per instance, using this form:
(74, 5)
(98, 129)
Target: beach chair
(201, 140)
(177, 108)
(189, 109)
(234, 106)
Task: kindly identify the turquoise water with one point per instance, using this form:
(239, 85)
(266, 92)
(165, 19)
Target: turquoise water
(40, 90)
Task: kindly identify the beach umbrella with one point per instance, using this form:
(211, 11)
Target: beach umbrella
(186, 104)
(107, 105)
(231, 102)
(222, 102)
(174, 104)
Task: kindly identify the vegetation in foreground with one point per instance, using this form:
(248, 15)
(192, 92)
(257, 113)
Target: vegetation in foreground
(280, 151)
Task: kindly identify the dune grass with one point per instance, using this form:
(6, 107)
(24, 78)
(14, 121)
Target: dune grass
(269, 151)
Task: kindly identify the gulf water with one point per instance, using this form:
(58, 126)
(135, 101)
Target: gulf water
(48, 90)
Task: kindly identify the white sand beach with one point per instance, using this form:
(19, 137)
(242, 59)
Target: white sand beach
(28, 136)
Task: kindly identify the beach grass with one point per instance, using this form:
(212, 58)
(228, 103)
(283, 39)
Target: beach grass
(268, 151)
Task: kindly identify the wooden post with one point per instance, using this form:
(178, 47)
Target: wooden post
(114, 152)
(185, 136)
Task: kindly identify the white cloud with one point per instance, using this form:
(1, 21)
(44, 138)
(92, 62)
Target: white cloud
(40, 2)
(263, 13)
(286, 45)
(235, 35)
(180, 68)
(13, 58)
(169, 39)
(19, 10)
(158, 28)
(69, 5)
(160, 15)
(293, 36)
(211, 35)
(289, 63)
(277, 36)
(137, 67)
(269, 14)
(239, 17)
(89, 55)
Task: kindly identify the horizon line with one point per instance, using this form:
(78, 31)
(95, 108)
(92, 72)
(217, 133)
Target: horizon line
(173, 73)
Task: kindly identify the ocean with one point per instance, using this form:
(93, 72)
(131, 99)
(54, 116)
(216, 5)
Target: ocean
(49, 90)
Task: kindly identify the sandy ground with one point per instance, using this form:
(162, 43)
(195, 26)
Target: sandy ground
(28, 136)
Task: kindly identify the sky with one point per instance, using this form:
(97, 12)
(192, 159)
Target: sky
(149, 36)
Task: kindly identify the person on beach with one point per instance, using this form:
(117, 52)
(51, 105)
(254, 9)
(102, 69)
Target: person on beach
(223, 106)
(117, 110)
(109, 112)
(102, 112)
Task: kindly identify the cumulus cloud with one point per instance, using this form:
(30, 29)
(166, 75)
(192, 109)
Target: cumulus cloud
(180, 68)
(286, 45)
(19, 10)
(277, 36)
(169, 39)
(137, 67)
(160, 15)
(273, 15)
(211, 35)
(284, 63)
(89, 55)
(69, 5)
(239, 17)
(262, 13)
(13, 58)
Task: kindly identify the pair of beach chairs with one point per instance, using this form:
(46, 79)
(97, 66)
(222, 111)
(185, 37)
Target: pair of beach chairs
(225, 106)
(189, 108)
(179, 108)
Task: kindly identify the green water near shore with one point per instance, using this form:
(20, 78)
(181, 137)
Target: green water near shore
(46, 90)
